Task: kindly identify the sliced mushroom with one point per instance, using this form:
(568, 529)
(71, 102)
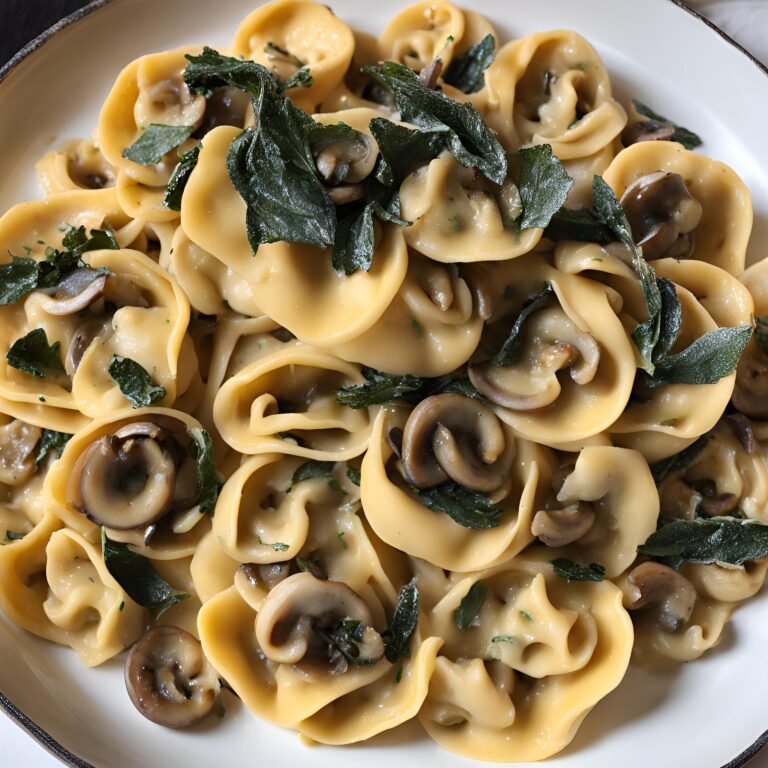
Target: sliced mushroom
(430, 74)
(657, 585)
(169, 680)
(308, 622)
(679, 499)
(457, 437)
(76, 292)
(343, 164)
(81, 339)
(124, 484)
(225, 106)
(647, 130)
(750, 395)
(18, 441)
(552, 343)
(559, 527)
(714, 504)
(662, 214)
(742, 429)
(346, 193)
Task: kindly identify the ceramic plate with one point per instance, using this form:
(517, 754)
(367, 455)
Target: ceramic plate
(701, 714)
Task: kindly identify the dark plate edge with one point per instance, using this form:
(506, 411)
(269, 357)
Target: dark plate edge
(33, 729)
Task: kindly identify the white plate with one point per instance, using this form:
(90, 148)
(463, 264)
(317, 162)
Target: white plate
(703, 714)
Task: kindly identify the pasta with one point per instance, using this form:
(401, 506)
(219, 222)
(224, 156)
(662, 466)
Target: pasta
(410, 378)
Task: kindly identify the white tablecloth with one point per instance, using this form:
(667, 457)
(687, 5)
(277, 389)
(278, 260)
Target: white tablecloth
(744, 20)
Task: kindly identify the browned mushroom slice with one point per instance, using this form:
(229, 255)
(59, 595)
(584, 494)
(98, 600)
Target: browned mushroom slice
(647, 130)
(669, 592)
(169, 680)
(318, 625)
(662, 214)
(742, 429)
(750, 395)
(76, 292)
(714, 504)
(124, 483)
(457, 437)
(343, 164)
(17, 451)
(225, 106)
(81, 339)
(559, 527)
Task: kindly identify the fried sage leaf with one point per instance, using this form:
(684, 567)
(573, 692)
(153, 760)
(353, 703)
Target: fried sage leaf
(138, 577)
(687, 138)
(379, 388)
(208, 484)
(179, 178)
(51, 441)
(155, 142)
(467, 72)
(665, 467)
(571, 571)
(579, 224)
(512, 348)
(33, 355)
(403, 623)
(543, 184)
(470, 605)
(134, 382)
(311, 469)
(468, 508)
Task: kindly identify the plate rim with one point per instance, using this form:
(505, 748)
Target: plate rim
(36, 732)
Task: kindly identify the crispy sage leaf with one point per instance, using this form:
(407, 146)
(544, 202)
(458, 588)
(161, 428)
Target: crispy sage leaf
(134, 382)
(544, 185)
(664, 467)
(138, 577)
(579, 224)
(467, 137)
(379, 388)
(467, 72)
(17, 279)
(208, 485)
(470, 605)
(728, 540)
(51, 441)
(354, 476)
(32, 354)
(512, 348)
(155, 142)
(179, 178)
(403, 624)
(468, 508)
(571, 571)
(301, 78)
(312, 468)
(687, 138)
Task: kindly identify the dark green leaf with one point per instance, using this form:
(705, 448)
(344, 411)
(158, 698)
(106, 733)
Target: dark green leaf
(609, 212)
(664, 467)
(31, 354)
(467, 137)
(470, 605)
(180, 177)
(134, 382)
(544, 185)
(468, 508)
(312, 468)
(512, 348)
(467, 72)
(301, 78)
(155, 142)
(761, 333)
(379, 388)
(444, 385)
(579, 224)
(670, 317)
(17, 279)
(709, 540)
(138, 577)
(571, 571)
(687, 138)
(51, 441)
(403, 624)
(77, 242)
(503, 639)
(353, 475)
(208, 485)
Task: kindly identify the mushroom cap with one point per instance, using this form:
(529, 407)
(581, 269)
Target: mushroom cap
(81, 339)
(457, 437)
(647, 130)
(654, 584)
(168, 678)
(76, 292)
(750, 395)
(296, 607)
(559, 527)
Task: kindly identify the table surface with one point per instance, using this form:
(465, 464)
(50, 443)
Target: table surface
(22, 20)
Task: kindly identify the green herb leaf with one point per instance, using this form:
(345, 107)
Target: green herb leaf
(544, 185)
(687, 138)
(208, 484)
(353, 475)
(470, 605)
(301, 78)
(379, 388)
(31, 354)
(403, 623)
(709, 540)
(609, 212)
(579, 224)
(761, 332)
(512, 348)
(179, 178)
(17, 279)
(467, 137)
(467, 72)
(664, 467)
(468, 508)
(571, 571)
(527, 616)
(138, 577)
(51, 441)
(134, 382)
(312, 468)
(155, 142)
(278, 546)
(503, 639)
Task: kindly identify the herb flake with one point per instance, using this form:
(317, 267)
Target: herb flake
(155, 142)
(135, 382)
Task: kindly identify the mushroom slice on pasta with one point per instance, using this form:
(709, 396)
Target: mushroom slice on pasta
(286, 402)
(459, 216)
(432, 326)
(552, 88)
(287, 36)
(573, 371)
(605, 507)
(136, 474)
(295, 284)
(519, 470)
(683, 203)
(544, 651)
(422, 32)
(77, 164)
